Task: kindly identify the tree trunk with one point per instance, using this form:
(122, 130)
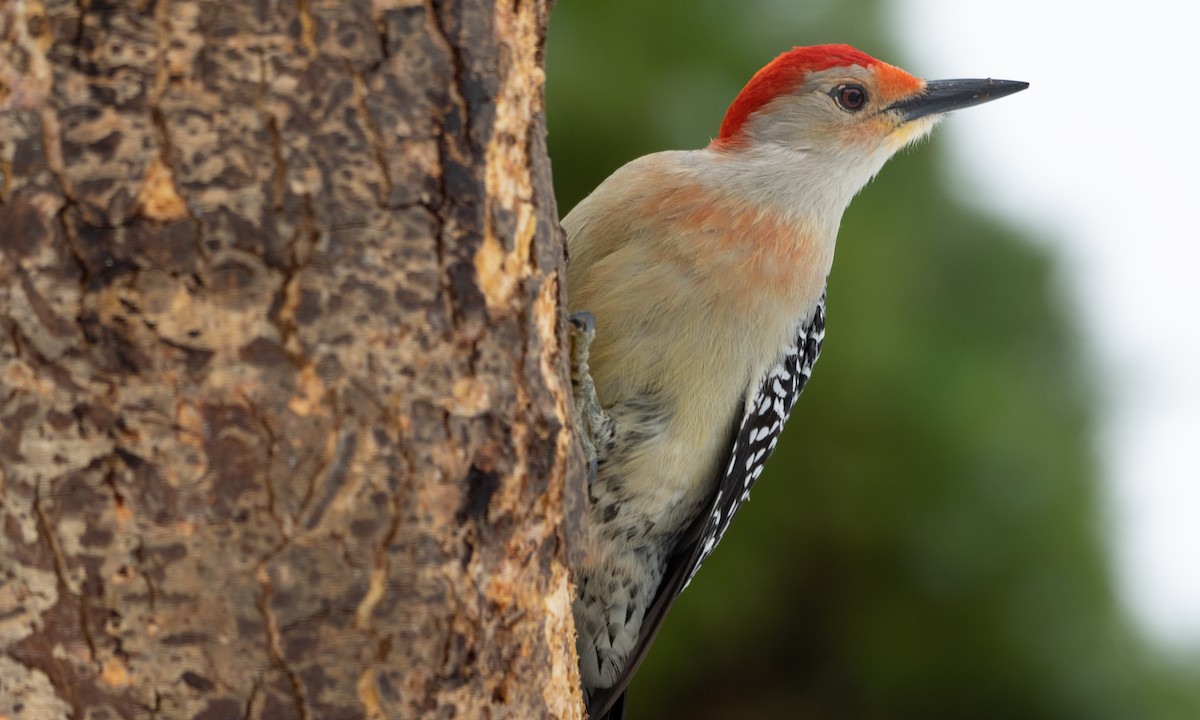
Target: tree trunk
(283, 402)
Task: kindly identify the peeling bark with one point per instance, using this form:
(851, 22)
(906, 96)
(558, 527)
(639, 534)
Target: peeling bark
(282, 399)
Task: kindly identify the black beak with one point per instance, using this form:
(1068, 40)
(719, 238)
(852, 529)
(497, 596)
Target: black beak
(942, 96)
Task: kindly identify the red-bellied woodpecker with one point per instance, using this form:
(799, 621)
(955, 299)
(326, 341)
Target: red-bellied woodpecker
(698, 281)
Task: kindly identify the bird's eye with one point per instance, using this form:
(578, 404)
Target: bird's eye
(851, 97)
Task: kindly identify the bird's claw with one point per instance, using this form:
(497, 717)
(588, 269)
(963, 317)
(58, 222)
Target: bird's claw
(585, 323)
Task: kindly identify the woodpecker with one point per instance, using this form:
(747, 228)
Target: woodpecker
(697, 289)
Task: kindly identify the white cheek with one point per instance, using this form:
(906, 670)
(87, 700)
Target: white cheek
(911, 132)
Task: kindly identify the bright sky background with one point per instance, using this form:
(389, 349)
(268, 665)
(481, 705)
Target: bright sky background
(1101, 159)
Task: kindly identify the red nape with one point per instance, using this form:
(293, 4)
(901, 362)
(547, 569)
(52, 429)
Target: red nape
(783, 75)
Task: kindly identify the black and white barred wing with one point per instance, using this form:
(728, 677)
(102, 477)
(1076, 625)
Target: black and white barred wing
(761, 424)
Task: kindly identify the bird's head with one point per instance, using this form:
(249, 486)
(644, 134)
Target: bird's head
(837, 101)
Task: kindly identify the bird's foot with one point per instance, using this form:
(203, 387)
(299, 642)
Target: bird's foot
(597, 431)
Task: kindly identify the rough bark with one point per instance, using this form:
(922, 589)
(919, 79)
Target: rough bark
(282, 398)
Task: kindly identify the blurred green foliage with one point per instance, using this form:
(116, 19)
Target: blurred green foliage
(927, 541)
